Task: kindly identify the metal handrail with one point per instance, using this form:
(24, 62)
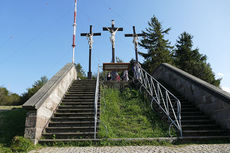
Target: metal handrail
(161, 96)
(95, 104)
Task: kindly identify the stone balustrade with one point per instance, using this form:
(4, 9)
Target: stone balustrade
(210, 99)
(42, 105)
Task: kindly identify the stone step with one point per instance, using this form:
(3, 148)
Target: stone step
(186, 113)
(81, 90)
(77, 106)
(77, 103)
(67, 119)
(84, 82)
(173, 99)
(81, 81)
(186, 110)
(203, 138)
(82, 114)
(83, 86)
(79, 97)
(191, 109)
(70, 129)
(78, 100)
(75, 110)
(201, 117)
(188, 107)
(200, 127)
(54, 141)
(87, 82)
(197, 113)
(71, 124)
(74, 118)
(80, 94)
(207, 132)
(86, 92)
(184, 104)
(196, 122)
(76, 135)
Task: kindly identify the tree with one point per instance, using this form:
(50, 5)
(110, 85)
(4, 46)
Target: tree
(191, 61)
(159, 49)
(31, 91)
(7, 98)
(80, 71)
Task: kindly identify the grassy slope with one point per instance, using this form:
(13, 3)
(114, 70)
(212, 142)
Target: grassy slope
(127, 115)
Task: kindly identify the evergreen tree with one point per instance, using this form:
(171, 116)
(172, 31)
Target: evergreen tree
(191, 61)
(159, 49)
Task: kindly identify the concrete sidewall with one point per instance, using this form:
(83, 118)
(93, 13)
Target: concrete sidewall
(37, 119)
(211, 100)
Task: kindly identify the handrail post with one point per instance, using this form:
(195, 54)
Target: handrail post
(95, 104)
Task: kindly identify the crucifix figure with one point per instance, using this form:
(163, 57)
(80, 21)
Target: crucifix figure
(113, 31)
(90, 41)
(135, 40)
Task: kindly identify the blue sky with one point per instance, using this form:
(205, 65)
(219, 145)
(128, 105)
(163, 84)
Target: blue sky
(36, 36)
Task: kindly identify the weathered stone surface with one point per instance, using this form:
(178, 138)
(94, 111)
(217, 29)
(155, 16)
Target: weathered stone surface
(211, 100)
(30, 133)
(45, 101)
(31, 119)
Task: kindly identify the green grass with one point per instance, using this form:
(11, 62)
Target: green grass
(12, 123)
(9, 107)
(127, 115)
(106, 142)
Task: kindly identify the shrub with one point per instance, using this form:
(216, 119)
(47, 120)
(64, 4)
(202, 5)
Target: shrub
(5, 149)
(21, 144)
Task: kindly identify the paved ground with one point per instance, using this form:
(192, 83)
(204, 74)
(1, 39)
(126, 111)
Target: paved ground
(216, 148)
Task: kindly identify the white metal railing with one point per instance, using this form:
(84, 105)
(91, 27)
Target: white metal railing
(164, 98)
(95, 103)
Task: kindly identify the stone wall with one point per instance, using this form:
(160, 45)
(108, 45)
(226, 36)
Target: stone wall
(211, 100)
(42, 105)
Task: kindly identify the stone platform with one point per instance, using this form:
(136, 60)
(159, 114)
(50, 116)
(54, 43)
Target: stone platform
(213, 148)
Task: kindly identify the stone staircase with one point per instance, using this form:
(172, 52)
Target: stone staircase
(196, 125)
(74, 118)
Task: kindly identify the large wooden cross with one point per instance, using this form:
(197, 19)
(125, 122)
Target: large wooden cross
(113, 31)
(90, 41)
(135, 40)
